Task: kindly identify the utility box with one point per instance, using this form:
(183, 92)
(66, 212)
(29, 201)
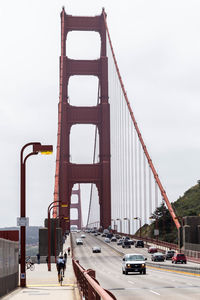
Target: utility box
(56, 236)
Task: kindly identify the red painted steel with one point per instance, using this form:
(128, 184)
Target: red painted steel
(12, 235)
(68, 174)
(77, 205)
(89, 286)
(163, 193)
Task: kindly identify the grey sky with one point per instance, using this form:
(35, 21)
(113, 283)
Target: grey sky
(157, 46)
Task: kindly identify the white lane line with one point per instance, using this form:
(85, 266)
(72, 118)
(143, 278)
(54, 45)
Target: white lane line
(131, 282)
(154, 292)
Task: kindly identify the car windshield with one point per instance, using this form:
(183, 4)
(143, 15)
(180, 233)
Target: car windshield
(134, 257)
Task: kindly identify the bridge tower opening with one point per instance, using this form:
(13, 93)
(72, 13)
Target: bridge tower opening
(76, 205)
(67, 173)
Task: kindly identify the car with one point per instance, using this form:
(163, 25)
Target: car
(169, 254)
(118, 236)
(152, 250)
(107, 240)
(133, 262)
(139, 244)
(109, 235)
(126, 244)
(95, 234)
(127, 238)
(96, 249)
(79, 242)
(82, 236)
(113, 239)
(132, 242)
(119, 242)
(158, 256)
(179, 257)
(103, 235)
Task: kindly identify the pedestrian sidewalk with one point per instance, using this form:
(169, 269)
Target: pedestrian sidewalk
(43, 284)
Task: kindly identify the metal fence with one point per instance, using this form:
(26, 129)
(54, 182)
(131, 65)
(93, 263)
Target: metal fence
(88, 285)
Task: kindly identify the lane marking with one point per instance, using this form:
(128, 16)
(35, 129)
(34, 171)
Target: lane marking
(174, 271)
(131, 282)
(154, 292)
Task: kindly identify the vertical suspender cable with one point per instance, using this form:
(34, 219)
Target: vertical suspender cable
(145, 187)
(94, 153)
(163, 193)
(150, 193)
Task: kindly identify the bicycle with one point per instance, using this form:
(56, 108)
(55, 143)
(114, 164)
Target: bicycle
(61, 276)
(30, 265)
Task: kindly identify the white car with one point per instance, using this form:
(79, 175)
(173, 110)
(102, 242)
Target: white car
(107, 240)
(96, 249)
(82, 236)
(133, 262)
(79, 242)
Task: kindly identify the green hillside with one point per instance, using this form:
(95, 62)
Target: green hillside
(187, 205)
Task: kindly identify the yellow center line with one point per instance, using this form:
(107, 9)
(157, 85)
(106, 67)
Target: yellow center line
(40, 285)
(174, 271)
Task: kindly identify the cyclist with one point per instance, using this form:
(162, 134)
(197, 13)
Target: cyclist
(68, 250)
(60, 265)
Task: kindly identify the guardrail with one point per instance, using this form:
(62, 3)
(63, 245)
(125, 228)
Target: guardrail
(89, 286)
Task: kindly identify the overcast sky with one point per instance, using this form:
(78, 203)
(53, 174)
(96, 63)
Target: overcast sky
(157, 46)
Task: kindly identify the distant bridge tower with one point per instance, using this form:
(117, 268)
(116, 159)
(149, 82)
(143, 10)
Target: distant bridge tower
(67, 173)
(77, 206)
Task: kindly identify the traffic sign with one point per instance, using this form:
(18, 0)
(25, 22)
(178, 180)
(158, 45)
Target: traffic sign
(23, 221)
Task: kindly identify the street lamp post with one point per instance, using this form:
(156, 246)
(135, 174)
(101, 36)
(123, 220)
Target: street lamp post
(180, 232)
(156, 227)
(43, 149)
(49, 231)
(129, 229)
(113, 223)
(138, 218)
(118, 219)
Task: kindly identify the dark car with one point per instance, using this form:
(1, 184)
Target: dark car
(158, 256)
(139, 244)
(169, 254)
(179, 257)
(118, 236)
(132, 242)
(126, 244)
(109, 235)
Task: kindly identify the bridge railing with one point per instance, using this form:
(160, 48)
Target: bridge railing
(89, 286)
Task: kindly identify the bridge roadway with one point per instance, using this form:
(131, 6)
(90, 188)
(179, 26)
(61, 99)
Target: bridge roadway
(156, 284)
(43, 284)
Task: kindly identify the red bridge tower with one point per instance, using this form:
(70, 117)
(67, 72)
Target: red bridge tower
(68, 174)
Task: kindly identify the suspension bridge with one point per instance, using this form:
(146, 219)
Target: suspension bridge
(124, 181)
